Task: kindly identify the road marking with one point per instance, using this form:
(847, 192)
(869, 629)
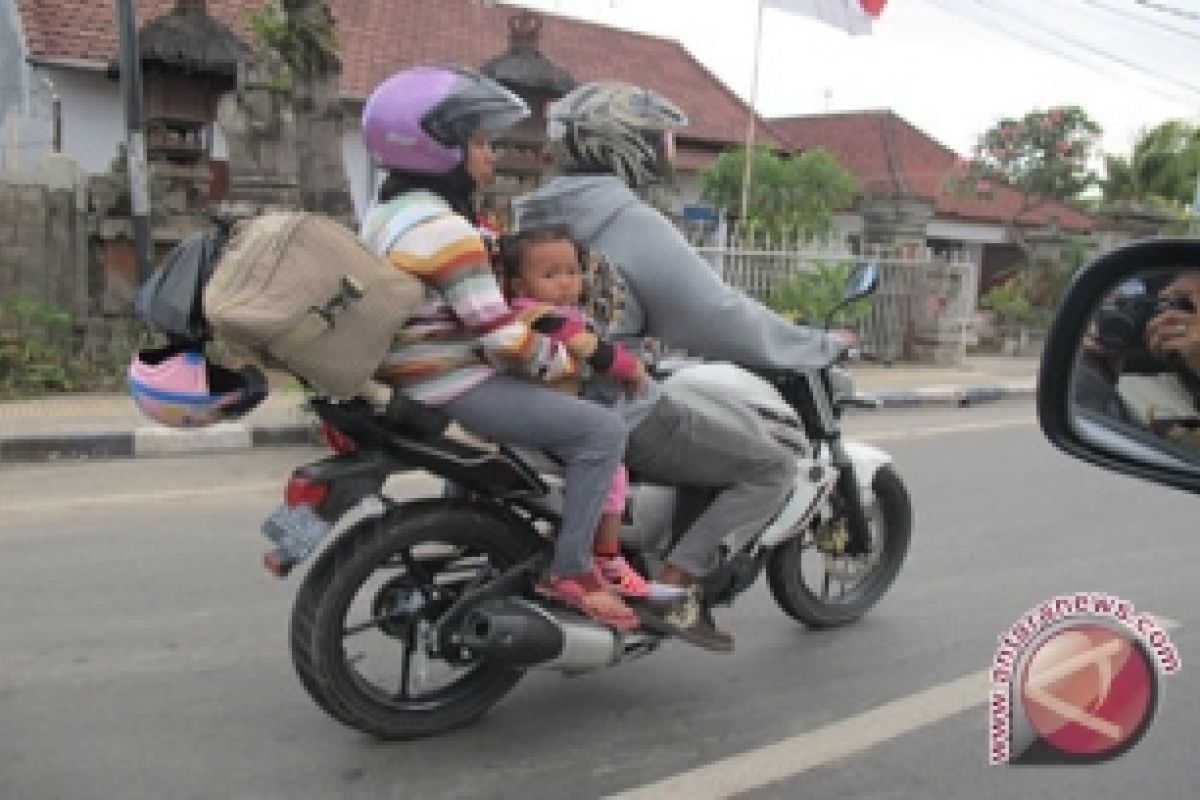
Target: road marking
(215, 491)
(172, 494)
(797, 754)
(142, 497)
(964, 427)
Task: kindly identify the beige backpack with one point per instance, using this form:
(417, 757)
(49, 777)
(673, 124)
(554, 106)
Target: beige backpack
(303, 292)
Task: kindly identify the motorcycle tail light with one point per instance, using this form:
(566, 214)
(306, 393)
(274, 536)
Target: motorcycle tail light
(303, 491)
(335, 440)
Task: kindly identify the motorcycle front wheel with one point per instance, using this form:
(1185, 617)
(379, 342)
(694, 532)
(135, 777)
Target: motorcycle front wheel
(822, 588)
(361, 632)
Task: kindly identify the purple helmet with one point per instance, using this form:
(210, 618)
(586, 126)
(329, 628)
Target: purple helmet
(419, 119)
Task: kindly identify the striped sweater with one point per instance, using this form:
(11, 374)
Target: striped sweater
(464, 326)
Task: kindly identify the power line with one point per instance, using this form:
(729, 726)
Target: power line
(957, 9)
(1083, 45)
(1178, 12)
(1158, 26)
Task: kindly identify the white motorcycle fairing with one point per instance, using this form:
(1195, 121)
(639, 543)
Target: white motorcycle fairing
(746, 401)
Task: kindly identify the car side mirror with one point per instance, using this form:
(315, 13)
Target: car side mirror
(1119, 384)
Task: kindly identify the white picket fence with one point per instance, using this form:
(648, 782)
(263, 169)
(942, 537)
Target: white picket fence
(923, 311)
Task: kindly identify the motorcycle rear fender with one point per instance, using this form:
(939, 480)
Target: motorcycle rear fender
(347, 528)
(350, 477)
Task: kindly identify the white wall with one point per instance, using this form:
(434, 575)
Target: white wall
(93, 122)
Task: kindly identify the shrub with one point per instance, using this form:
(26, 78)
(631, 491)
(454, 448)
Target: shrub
(809, 296)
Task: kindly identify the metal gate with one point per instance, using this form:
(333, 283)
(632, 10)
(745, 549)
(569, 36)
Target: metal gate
(922, 312)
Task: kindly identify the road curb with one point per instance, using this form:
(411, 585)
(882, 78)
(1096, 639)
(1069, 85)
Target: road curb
(961, 396)
(152, 441)
(147, 441)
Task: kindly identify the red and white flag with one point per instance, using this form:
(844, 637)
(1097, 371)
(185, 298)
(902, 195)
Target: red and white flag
(852, 16)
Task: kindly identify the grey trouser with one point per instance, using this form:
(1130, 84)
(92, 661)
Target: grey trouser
(588, 438)
(678, 446)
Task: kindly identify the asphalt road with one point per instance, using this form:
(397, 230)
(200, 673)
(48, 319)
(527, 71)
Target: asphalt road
(143, 648)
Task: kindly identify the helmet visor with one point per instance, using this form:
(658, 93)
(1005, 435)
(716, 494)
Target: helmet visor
(477, 105)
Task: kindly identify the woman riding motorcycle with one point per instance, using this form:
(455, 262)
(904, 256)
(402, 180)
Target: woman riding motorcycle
(427, 127)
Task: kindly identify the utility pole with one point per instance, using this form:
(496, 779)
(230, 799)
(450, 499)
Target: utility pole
(748, 165)
(135, 142)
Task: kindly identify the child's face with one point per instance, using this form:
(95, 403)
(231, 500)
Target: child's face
(550, 273)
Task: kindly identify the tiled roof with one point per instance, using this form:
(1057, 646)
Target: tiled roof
(889, 155)
(87, 32)
(378, 37)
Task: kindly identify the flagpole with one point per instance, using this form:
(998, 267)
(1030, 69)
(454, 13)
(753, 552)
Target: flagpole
(753, 114)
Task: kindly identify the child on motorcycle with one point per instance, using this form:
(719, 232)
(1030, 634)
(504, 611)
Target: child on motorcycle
(543, 279)
(428, 128)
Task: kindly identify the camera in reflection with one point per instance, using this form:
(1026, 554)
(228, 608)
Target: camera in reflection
(1121, 326)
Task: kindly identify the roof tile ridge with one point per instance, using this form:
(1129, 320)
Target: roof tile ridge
(760, 122)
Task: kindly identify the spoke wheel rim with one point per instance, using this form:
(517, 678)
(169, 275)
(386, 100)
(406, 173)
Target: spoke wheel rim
(840, 579)
(385, 652)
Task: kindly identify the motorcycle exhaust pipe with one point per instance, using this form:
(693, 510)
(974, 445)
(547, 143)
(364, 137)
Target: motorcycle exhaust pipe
(516, 632)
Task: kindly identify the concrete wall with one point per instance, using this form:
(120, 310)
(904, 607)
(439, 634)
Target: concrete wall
(43, 237)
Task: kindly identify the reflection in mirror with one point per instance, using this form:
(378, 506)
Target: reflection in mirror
(1135, 390)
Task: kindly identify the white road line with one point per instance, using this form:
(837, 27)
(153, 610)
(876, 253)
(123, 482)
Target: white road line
(141, 497)
(796, 754)
(965, 427)
(275, 487)
(215, 491)
(805, 751)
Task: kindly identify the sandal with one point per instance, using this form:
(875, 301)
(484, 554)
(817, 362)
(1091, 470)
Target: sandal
(618, 574)
(589, 594)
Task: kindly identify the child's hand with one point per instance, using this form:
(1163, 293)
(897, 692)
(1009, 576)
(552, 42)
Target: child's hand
(638, 383)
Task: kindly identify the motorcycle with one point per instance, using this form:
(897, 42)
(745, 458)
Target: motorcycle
(419, 615)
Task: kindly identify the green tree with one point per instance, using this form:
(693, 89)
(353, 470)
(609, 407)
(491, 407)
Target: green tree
(809, 296)
(1161, 170)
(1045, 157)
(301, 33)
(789, 195)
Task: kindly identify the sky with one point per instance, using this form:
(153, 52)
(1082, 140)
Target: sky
(950, 67)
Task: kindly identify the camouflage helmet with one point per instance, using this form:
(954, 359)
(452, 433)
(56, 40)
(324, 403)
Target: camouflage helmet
(615, 127)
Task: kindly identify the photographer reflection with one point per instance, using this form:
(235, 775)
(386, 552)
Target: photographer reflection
(1140, 362)
(1176, 330)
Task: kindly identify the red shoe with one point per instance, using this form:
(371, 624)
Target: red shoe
(590, 594)
(617, 573)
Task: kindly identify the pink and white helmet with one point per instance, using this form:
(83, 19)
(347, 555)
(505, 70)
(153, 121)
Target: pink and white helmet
(178, 387)
(419, 119)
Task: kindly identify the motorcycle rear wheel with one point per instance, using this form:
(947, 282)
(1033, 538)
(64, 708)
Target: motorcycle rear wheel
(789, 571)
(363, 611)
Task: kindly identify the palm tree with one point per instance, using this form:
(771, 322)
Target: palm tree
(1160, 172)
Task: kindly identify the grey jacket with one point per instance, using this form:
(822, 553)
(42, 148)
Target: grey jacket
(673, 295)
